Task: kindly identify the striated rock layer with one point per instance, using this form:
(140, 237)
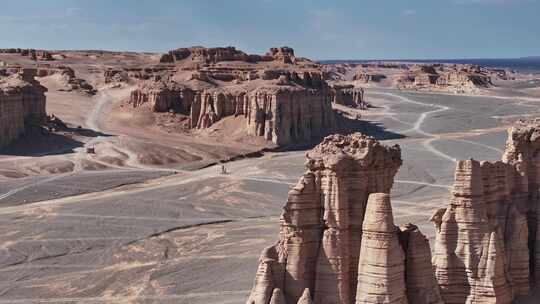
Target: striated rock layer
(337, 243)
(282, 114)
(22, 103)
(486, 247)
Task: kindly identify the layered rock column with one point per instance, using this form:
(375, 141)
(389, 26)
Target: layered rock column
(281, 114)
(487, 247)
(22, 103)
(338, 246)
(381, 268)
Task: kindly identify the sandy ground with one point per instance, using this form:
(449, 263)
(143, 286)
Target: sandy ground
(117, 227)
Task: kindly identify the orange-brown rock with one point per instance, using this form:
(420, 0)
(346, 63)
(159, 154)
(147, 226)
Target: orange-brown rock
(22, 102)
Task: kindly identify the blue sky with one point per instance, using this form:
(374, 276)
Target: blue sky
(347, 29)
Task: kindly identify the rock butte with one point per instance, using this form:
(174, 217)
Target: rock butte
(22, 104)
(338, 242)
(329, 248)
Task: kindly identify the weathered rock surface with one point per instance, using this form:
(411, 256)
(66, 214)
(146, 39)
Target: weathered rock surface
(421, 285)
(366, 77)
(454, 78)
(381, 267)
(486, 243)
(280, 114)
(349, 96)
(339, 245)
(22, 103)
(218, 54)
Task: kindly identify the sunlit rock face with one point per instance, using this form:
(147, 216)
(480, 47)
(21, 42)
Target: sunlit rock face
(338, 242)
(486, 247)
(22, 102)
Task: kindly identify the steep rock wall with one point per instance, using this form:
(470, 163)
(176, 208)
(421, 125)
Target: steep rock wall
(22, 101)
(339, 244)
(281, 114)
(486, 247)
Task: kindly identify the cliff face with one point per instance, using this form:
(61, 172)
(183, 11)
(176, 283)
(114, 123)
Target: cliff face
(349, 96)
(280, 114)
(486, 244)
(337, 240)
(22, 101)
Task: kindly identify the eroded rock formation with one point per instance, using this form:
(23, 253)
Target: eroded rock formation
(22, 103)
(349, 96)
(338, 242)
(218, 54)
(454, 78)
(281, 114)
(486, 242)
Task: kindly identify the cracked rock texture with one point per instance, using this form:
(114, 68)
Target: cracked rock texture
(337, 245)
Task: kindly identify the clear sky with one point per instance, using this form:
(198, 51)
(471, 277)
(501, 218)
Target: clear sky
(347, 29)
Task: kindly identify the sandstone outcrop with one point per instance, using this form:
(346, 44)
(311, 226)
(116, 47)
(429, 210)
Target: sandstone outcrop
(366, 77)
(337, 241)
(349, 96)
(486, 242)
(41, 55)
(453, 78)
(219, 54)
(66, 76)
(381, 266)
(22, 104)
(280, 114)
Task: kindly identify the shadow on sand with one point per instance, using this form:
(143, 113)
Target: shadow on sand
(39, 142)
(345, 125)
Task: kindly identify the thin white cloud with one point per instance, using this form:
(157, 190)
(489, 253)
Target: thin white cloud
(408, 12)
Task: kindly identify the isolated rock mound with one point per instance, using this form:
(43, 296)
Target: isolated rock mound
(486, 247)
(338, 243)
(282, 98)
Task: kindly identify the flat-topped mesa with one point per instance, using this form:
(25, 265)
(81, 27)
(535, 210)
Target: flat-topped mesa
(321, 241)
(22, 104)
(281, 114)
(32, 53)
(219, 54)
(283, 54)
(490, 199)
